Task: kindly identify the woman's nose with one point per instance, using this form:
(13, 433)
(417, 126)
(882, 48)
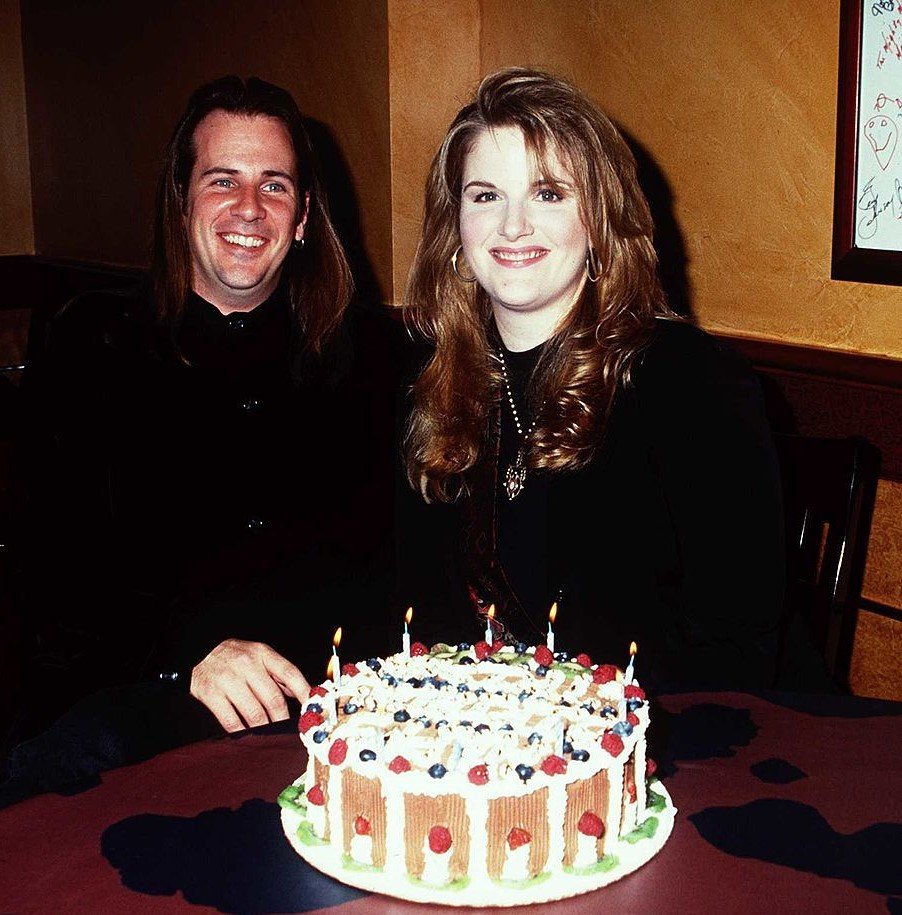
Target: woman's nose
(247, 205)
(515, 221)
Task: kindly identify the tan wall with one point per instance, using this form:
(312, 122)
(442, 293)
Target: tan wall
(16, 229)
(107, 81)
(736, 103)
(433, 66)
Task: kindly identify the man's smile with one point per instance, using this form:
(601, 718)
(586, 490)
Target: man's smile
(246, 241)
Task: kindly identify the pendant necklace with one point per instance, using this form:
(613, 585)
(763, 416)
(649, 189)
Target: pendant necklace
(515, 475)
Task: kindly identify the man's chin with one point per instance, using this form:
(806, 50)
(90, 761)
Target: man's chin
(239, 292)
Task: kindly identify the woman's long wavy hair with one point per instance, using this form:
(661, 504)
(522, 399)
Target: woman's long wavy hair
(318, 275)
(592, 349)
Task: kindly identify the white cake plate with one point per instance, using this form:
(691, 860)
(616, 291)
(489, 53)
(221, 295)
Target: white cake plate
(330, 860)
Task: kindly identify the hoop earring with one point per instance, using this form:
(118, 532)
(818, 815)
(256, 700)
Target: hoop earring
(457, 273)
(298, 243)
(592, 263)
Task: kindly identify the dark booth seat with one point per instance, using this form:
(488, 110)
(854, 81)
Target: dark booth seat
(829, 487)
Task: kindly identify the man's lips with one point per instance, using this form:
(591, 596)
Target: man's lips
(517, 257)
(240, 240)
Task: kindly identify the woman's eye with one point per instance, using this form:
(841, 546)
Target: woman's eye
(548, 195)
(485, 197)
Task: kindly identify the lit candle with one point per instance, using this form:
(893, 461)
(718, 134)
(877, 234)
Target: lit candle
(552, 614)
(488, 624)
(628, 676)
(334, 661)
(330, 675)
(405, 639)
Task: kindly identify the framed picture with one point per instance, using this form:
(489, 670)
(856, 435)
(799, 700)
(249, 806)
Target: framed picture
(867, 206)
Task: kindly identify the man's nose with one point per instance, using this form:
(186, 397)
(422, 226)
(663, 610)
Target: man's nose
(515, 221)
(248, 204)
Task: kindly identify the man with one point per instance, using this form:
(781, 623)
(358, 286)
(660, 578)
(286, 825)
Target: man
(205, 469)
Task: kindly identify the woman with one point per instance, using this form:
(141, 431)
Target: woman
(590, 447)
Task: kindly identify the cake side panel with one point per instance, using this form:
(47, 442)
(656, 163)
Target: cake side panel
(590, 795)
(421, 813)
(529, 813)
(321, 778)
(362, 797)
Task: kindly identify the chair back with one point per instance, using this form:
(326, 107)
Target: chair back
(829, 485)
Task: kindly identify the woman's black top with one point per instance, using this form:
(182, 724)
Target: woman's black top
(672, 536)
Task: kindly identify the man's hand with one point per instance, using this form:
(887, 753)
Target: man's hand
(244, 684)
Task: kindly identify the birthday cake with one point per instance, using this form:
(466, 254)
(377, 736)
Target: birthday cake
(474, 775)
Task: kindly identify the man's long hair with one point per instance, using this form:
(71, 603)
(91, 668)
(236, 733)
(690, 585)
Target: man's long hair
(591, 352)
(317, 275)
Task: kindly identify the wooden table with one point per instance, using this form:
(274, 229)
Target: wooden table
(786, 804)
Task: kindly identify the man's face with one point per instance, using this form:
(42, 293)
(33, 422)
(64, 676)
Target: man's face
(242, 211)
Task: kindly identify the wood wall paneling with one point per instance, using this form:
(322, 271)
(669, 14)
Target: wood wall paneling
(16, 225)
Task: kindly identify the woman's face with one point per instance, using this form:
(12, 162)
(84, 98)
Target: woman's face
(523, 239)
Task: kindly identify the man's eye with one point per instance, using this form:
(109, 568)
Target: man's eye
(223, 182)
(274, 186)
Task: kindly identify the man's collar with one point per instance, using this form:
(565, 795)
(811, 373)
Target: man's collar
(203, 314)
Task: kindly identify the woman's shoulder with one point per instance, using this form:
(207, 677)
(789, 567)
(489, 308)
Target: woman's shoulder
(681, 353)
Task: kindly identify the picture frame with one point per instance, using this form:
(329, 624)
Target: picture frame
(867, 207)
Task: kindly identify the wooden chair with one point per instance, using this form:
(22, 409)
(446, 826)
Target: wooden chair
(829, 486)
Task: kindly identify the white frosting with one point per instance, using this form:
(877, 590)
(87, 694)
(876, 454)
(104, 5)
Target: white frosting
(436, 867)
(586, 851)
(516, 863)
(474, 727)
(362, 849)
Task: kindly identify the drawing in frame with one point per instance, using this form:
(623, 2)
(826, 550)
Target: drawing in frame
(867, 205)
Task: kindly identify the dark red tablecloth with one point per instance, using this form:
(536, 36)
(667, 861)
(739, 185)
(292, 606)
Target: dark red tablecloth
(785, 805)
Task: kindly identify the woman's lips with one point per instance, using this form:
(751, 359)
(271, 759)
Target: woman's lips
(517, 257)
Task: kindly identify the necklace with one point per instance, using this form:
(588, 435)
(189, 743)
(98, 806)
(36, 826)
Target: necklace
(515, 475)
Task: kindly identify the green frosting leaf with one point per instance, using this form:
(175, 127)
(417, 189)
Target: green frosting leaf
(460, 884)
(529, 881)
(601, 866)
(350, 864)
(654, 801)
(292, 798)
(307, 836)
(645, 831)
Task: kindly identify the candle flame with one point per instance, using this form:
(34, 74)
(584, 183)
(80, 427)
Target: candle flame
(330, 668)
(632, 649)
(336, 639)
(552, 613)
(491, 612)
(408, 616)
